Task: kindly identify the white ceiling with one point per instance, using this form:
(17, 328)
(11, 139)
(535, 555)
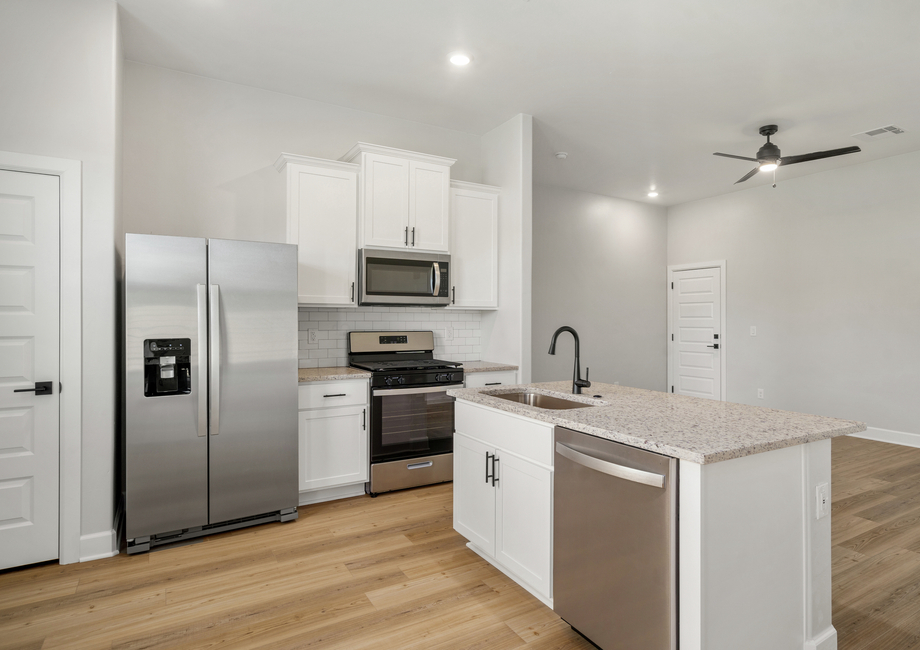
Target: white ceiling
(638, 92)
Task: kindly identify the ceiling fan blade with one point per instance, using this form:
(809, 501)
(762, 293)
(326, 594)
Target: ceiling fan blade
(817, 155)
(748, 175)
(728, 155)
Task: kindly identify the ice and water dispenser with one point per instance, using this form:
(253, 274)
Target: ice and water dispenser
(167, 367)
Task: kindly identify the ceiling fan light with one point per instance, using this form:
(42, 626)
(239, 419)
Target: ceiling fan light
(768, 166)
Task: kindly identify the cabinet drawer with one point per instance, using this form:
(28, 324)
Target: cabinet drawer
(497, 378)
(336, 393)
(528, 438)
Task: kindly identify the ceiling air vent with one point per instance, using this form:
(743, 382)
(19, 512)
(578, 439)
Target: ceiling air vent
(879, 133)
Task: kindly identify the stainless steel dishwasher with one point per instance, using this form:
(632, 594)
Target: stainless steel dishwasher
(615, 542)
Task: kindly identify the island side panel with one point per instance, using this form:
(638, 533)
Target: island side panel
(754, 560)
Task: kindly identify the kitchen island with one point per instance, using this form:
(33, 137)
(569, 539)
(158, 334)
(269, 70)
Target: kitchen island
(753, 526)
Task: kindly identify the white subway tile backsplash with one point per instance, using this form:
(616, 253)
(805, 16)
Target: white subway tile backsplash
(333, 324)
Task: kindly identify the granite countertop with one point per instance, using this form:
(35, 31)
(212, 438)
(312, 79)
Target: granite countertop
(330, 374)
(486, 366)
(690, 428)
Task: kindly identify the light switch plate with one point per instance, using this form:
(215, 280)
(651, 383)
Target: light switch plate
(312, 336)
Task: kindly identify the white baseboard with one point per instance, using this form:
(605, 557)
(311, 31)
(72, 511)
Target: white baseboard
(887, 435)
(331, 494)
(827, 640)
(96, 546)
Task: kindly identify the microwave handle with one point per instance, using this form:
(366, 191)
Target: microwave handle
(437, 279)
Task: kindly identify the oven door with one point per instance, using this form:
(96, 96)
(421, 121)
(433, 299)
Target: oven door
(402, 278)
(411, 422)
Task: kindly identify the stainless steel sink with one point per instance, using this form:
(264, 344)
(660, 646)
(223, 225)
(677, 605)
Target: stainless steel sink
(542, 401)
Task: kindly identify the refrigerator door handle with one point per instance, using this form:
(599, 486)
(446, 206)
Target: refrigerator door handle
(214, 325)
(202, 360)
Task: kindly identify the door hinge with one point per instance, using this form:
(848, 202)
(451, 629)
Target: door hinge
(672, 389)
(672, 337)
(672, 285)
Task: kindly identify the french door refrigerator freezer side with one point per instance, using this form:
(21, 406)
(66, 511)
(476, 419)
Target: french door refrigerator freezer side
(166, 446)
(253, 407)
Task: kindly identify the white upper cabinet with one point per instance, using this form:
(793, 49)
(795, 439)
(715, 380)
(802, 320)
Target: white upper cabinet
(474, 245)
(404, 198)
(322, 208)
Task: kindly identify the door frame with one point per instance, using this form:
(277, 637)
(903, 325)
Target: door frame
(70, 431)
(717, 264)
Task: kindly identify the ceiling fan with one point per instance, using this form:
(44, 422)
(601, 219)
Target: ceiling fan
(768, 157)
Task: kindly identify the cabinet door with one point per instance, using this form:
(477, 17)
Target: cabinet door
(474, 249)
(386, 201)
(474, 497)
(333, 447)
(323, 222)
(429, 206)
(524, 533)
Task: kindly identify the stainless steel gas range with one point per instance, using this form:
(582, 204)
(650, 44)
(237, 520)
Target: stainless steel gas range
(411, 416)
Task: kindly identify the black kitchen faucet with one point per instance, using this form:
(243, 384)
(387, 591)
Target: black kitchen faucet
(577, 382)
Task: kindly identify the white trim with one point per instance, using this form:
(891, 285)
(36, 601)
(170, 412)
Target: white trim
(474, 187)
(322, 495)
(827, 640)
(723, 282)
(889, 436)
(298, 159)
(364, 147)
(96, 546)
(71, 337)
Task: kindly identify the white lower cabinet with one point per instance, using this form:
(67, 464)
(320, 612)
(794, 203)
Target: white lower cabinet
(503, 498)
(333, 443)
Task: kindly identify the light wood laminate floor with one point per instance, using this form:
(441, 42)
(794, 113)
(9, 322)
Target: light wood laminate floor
(390, 573)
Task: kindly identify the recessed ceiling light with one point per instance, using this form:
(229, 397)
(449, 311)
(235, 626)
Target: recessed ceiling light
(459, 59)
(561, 155)
(652, 194)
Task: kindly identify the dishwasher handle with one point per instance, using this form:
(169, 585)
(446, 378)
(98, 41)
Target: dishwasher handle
(627, 473)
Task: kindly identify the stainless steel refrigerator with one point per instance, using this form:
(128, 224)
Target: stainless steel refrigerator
(210, 386)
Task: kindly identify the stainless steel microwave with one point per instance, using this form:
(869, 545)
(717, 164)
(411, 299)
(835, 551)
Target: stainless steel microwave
(403, 278)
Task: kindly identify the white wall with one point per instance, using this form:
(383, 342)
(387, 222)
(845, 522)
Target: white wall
(599, 266)
(827, 268)
(59, 74)
(507, 154)
(198, 153)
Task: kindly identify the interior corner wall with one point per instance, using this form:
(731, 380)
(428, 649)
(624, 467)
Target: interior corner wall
(60, 92)
(599, 266)
(826, 267)
(507, 159)
(199, 153)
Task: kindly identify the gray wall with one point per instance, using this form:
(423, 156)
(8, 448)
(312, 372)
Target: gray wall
(827, 267)
(199, 153)
(60, 66)
(599, 265)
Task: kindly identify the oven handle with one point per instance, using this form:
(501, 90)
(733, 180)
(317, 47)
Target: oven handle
(415, 391)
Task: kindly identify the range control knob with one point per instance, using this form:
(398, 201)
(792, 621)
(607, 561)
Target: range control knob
(389, 381)
(401, 380)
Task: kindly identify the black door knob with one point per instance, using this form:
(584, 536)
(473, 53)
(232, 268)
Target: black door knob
(41, 388)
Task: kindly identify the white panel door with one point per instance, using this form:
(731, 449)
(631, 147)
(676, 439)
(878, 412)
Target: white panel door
(333, 447)
(324, 224)
(474, 496)
(524, 522)
(386, 201)
(429, 206)
(29, 351)
(474, 249)
(697, 331)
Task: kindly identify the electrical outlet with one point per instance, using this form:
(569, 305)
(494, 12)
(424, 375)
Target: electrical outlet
(312, 336)
(760, 393)
(753, 330)
(449, 333)
(822, 501)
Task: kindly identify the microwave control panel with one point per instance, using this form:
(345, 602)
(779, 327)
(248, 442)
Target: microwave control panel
(444, 290)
